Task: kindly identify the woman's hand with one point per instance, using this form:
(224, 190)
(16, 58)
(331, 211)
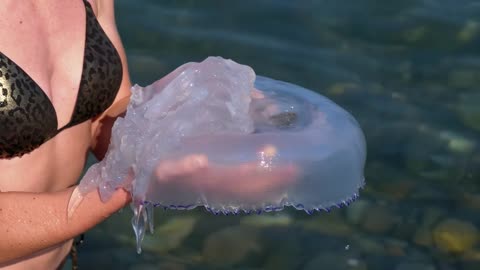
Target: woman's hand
(249, 182)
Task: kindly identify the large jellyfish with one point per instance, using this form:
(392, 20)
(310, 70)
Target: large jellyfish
(251, 131)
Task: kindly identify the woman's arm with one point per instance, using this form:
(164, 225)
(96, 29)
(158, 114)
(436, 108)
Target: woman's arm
(30, 222)
(102, 125)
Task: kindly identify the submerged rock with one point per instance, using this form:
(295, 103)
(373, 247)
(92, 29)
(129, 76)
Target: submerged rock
(267, 220)
(331, 224)
(469, 110)
(414, 266)
(380, 219)
(170, 235)
(230, 246)
(357, 211)
(455, 236)
(336, 261)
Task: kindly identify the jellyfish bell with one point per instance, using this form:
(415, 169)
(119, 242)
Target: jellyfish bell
(245, 143)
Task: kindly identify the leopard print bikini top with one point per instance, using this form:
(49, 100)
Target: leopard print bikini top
(27, 116)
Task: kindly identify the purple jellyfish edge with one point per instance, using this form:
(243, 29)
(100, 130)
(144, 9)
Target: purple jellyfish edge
(269, 208)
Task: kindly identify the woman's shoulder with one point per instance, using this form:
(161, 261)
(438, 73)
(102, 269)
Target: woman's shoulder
(102, 8)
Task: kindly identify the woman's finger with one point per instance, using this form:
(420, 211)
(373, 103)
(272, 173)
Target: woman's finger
(169, 170)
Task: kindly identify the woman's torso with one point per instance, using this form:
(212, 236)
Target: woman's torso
(46, 39)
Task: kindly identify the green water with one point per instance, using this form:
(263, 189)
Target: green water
(408, 70)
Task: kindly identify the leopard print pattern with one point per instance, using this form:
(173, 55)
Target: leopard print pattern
(27, 116)
(102, 73)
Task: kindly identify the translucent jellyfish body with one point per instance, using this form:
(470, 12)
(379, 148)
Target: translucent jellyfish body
(268, 144)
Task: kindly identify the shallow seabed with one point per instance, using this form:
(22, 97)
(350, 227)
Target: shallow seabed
(409, 71)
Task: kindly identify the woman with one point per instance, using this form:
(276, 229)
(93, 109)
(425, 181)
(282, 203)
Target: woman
(62, 88)
(63, 81)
